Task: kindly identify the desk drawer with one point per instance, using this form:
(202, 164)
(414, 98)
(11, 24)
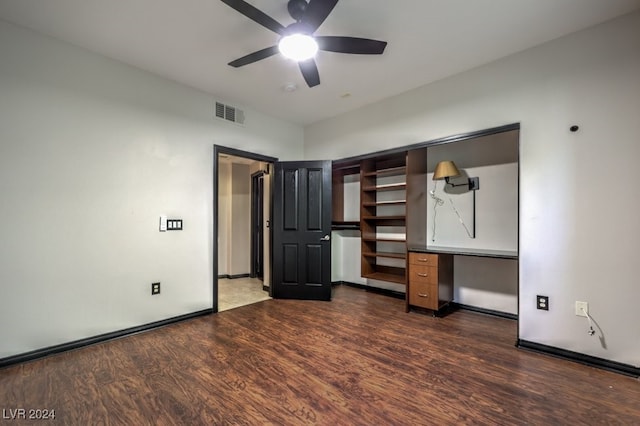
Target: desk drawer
(423, 274)
(424, 295)
(423, 259)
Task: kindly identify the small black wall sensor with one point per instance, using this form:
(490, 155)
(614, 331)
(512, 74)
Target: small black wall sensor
(574, 128)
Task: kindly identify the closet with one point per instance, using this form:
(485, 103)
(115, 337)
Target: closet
(470, 237)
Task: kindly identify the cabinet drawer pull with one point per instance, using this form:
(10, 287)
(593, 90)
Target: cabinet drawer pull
(423, 259)
(423, 295)
(422, 275)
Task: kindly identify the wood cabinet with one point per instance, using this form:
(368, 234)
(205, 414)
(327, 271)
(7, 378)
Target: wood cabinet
(430, 280)
(382, 218)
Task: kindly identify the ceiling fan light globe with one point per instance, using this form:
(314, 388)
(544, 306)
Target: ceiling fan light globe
(298, 47)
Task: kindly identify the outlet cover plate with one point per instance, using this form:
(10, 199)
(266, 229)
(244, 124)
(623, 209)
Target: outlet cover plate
(582, 309)
(542, 302)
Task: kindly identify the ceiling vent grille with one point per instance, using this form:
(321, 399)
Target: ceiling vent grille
(229, 113)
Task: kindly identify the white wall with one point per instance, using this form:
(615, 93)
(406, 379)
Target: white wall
(351, 204)
(346, 244)
(224, 216)
(345, 256)
(578, 231)
(92, 152)
(496, 211)
(486, 283)
(240, 238)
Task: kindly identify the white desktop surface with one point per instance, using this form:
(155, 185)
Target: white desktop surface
(504, 254)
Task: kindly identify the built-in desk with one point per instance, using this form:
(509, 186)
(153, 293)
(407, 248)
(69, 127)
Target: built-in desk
(501, 254)
(430, 274)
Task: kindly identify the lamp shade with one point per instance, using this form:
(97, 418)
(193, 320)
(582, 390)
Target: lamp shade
(445, 169)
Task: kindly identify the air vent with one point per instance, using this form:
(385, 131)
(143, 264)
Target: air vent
(229, 113)
(219, 110)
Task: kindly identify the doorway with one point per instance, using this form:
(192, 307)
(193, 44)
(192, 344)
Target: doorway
(241, 255)
(257, 224)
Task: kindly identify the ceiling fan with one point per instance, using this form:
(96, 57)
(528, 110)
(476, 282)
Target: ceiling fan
(297, 41)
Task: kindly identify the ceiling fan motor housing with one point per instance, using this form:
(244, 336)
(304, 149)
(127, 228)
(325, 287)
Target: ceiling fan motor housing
(297, 28)
(297, 8)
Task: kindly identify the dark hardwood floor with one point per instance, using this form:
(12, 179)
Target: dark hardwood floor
(359, 359)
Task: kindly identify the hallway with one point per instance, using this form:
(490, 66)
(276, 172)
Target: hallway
(233, 293)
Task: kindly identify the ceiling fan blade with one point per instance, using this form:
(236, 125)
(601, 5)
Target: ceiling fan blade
(255, 14)
(361, 46)
(310, 72)
(316, 12)
(254, 57)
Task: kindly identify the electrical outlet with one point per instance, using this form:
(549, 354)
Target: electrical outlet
(542, 302)
(155, 288)
(582, 309)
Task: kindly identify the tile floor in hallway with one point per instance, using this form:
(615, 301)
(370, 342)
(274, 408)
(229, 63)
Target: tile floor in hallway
(236, 292)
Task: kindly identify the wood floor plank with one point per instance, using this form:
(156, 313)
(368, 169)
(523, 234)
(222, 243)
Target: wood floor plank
(359, 359)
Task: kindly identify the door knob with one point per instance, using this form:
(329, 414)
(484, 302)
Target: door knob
(325, 238)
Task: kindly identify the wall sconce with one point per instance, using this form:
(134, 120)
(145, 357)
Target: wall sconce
(447, 169)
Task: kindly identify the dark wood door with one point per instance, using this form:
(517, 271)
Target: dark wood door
(302, 230)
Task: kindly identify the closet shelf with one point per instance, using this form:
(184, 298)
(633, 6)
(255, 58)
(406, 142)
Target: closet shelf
(345, 225)
(392, 171)
(384, 240)
(387, 187)
(384, 203)
(385, 254)
(396, 217)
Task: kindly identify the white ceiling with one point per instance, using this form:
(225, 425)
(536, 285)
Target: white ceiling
(191, 42)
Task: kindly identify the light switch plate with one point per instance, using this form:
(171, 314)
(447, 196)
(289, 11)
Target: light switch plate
(163, 223)
(174, 225)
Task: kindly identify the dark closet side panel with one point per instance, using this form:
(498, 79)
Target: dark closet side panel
(417, 193)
